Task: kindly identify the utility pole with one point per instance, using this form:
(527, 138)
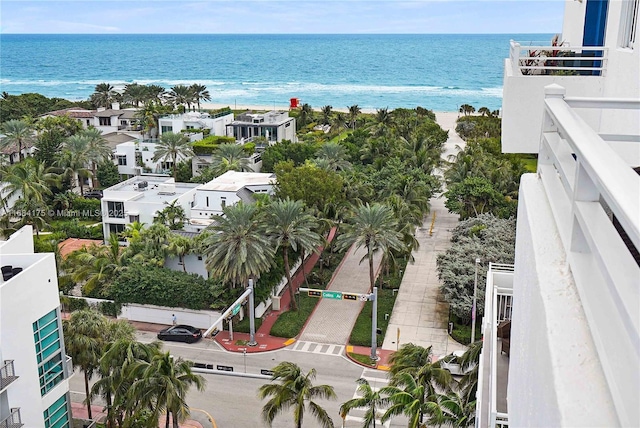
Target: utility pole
(473, 307)
(252, 317)
(374, 325)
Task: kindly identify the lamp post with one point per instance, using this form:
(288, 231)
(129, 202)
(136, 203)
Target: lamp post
(473, 307)
(252, 321)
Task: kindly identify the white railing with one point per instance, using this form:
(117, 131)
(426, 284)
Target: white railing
(590, 188)
(7, 374)
(13, 420)
(562, 60)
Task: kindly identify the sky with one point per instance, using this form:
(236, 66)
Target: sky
(280, 17)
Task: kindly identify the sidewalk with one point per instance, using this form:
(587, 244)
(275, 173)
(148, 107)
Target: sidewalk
(79, 411)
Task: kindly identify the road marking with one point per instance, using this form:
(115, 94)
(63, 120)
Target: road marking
(213, 421)
(318, 348)
(289, 342)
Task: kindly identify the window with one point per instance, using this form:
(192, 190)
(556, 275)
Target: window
(207, 201)
(166, 128)
(115, 209)
(46, 335)
(104, 121)
(223, 202)
(124, 123)
(190, 127)
(288, 124)
(116, 228)
(88, 122)
(629, 23)
(134, 218)
(57, 416)
(122, 160)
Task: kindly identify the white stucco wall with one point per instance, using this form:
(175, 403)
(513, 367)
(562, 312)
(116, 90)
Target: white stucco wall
(162, 315)
(191, 263)
(203, 210)
(573, 23)
(555, 376)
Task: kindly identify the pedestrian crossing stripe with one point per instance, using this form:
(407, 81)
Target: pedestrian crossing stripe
(318, 348)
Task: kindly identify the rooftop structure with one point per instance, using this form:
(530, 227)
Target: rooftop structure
(573, 352)
(275, 126)
(194, 120)
(34, 368)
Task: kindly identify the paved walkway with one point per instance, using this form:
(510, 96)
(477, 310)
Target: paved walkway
(420, 315)
(79, 411)
(332, 320)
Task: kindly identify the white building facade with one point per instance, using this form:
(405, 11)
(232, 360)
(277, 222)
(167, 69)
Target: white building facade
(573, 356)
(34, 377)
(275, 126)
(216, 123)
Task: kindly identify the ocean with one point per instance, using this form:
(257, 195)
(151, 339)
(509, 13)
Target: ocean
(435, 71)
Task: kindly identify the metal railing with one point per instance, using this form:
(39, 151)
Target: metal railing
(593, 194)
(13, 420)
(7, 374)
(558, 60)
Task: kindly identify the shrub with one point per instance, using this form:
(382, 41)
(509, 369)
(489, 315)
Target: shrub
(111, 309)
(208, 145)
(77, 304)
(73, 229)
(87, 209)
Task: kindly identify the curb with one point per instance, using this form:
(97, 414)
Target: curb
(349, 349)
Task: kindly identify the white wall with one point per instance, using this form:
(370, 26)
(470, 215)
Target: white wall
(191, 263)
(163, 315)
(20, 242)
(573, 24)
(202, 210)
(555, 376)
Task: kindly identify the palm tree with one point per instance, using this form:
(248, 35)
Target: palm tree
(32, 212)
(132, 231)
(97, 151)
(467, 109)
(296, 390)
(305, 115)
(375, 228)
(200, 93)
(369, 398)
(383, 122)
(470, 360)
(155, 93)
(83, 341)
(354, 112)
(326, 114)
(170, 147)
(454, 410)
(335, 155)
(135, 94)
(409, 397)
(484, 111)
(103, 95)
(288, 224)
(181, 95)
(229, 157)
(339, 122)
(164, 384)
(172, 216)
(180, 246)
(18, 133)
(96, 265)
(74, 159)
(409, 357)
(30, 180)
(237, 250)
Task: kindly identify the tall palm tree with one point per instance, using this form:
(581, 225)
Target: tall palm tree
(135, 94)
(237, 250)
(181, 95)
(180, 246)
(289, 225)
(409, 397)
(339, 122)
(155, 93)
(170, 147)
(229, 157)
(200, 93)
(96, 265)
(29, 179)
(32, 212)
(305, 115)
(18, 133)
(326, 114)
(164, 383)
(335, 155)
(103, 95)
(470, 360)
(295, 389)
(74, 159)
(354, 112)
(83, 341)
(375, 228)
(97, 151)
(172, 216)
(369, 398)
(484, 111)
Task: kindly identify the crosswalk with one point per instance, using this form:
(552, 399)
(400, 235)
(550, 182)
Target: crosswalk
(377, 379)
(318, 348)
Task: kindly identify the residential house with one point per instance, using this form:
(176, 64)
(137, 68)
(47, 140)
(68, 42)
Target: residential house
(116, 119)
(216, 123)
(35, 369)
(571, 356)
(275, 126)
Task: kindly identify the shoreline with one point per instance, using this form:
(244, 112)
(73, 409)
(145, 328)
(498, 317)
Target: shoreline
(242, 106)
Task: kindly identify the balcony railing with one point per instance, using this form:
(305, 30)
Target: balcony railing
(7, 374)
(558, 60)
(13, 420)
(593, 194)
(68, 366)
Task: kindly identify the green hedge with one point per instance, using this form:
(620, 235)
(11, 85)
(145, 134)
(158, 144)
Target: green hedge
(208, 145)
(86, 209)
(73, 229)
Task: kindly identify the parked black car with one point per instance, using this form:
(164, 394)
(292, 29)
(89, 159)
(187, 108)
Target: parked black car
(180, 333)
(93, 194)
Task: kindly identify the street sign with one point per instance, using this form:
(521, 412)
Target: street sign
(266, 372)
(315, 293)
(235, 310)
(332, 295)
(350, 296)
(224, 368)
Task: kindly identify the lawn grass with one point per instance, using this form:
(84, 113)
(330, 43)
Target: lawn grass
(243, 326)
(462, 333)
(362, 359)
(361, 333)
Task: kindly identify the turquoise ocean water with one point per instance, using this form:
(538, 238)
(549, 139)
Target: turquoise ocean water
(436, 71)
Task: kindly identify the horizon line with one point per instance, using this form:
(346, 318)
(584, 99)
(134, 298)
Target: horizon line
(267, 34)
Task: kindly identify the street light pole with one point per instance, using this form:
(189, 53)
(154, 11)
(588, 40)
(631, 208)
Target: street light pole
(374, 325)
(473, 307)
(252, 315)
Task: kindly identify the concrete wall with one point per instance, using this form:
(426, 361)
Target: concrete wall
(191, 262)
(20, 242)
(555, 376)
(127, 149)
(573, 23)
(163, 315)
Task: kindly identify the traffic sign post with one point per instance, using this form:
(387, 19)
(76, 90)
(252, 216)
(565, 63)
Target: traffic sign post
(235, 310)
(350, 296)
(374, 324)
(337, 295)
(314, 293)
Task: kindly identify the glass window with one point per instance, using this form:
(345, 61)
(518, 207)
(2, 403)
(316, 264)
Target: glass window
(122, 160)
(167, 128)
(105, 121)
(57, 416)
(629, 23)
(115, 209)
(116, 228)
(46, 336)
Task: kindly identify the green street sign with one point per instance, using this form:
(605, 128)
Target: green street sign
(235, 310)
(332, 295)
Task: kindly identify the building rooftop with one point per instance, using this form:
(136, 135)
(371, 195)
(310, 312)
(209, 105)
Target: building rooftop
(115, 138)
(125, 113)
(269, 118)
(232, 181)
(70, 245)
(148, 188)
(74, 111)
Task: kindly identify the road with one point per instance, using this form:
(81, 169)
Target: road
(233, 401)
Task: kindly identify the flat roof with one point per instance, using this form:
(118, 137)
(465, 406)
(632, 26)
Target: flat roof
(158, 190)
(232, 181)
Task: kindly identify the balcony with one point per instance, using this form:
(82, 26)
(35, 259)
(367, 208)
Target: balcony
(68, 367)
(528, 70)
(13, 420)
(493, 375)
(7, 374)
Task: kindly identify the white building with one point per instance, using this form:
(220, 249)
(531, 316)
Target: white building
(35, 371)
(135, 157)
(140, 198)
(116, 119)
(573, 297)
(194, 120)
(275, 126)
